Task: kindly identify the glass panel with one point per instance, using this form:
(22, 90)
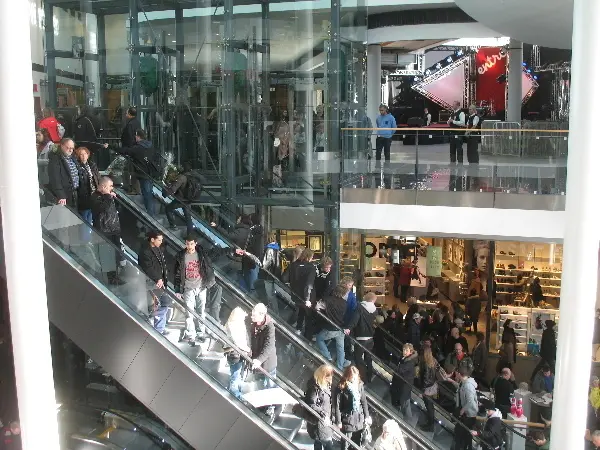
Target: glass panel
(530, 162)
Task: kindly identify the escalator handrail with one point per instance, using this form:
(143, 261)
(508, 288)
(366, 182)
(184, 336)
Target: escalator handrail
(290, 335)
(290, 390)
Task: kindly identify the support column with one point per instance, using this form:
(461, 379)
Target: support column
(134, 33)
(580, 255)
(332, 124)
(181, 94)
(515, 81)
(101, 23)
(229, 130)
(23, 248)
(373, 84)
(52, 100)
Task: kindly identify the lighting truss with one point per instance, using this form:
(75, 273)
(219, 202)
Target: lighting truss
(443, 73)
(534, 86)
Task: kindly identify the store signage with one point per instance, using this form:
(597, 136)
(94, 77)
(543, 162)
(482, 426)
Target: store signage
(490, 62)
(434, 262)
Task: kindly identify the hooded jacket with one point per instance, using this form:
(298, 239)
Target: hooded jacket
(467, 397)
(142, 153)
(104, 214)
(362, 323)
(207, 273)
(335, 307)
(262, 344)
(492, 431)
(344, 414)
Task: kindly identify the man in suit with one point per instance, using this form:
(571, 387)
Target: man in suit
(63, 173)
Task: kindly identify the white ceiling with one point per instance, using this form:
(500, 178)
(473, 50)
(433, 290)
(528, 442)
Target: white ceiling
(543, 22)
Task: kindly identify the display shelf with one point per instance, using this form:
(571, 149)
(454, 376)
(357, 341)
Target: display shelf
(531, 322)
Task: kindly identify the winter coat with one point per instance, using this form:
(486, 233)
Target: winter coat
(151, 265)
(509, 340)
(351, 421)
(302, 281)
(104, 214)
(362, 324)
(254, 246)
(142, 154)
(272, 259)
(241, 235)
(59, 176)
(390, 443)
(473, 307)
(207, 273)
(428, 374)
(262, 343)
(414, 334)
(323, 283)
(492, 431)
(351, 306)
(467, 397)
(548, 346)
(403, 379)
(335, 307)
(129, 131)
(466, 361)
(84, 193)
(87, 132)
(320, 402)
(480, 357)
(503, 389)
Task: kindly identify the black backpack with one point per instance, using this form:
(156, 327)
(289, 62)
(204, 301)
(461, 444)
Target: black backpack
(193, 187)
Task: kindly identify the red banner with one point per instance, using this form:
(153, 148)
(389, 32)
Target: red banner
(491, 63)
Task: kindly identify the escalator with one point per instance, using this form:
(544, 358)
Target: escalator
(185, 386)
(188, 394)
(281, 304)
(279, 301)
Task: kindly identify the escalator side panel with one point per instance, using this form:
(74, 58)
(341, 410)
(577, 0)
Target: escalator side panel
(120, 343)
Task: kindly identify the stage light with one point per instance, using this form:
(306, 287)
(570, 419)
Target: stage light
(438, 66)
(449, 59)
(524, 63)
(427, 72)
(459, 53)
(416, 78)
(535, 77)
(528, 70)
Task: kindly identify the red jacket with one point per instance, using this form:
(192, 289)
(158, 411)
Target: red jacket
(50, 124)
(405, 276)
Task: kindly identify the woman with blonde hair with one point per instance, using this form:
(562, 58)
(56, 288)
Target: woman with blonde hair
(428, 370)
(350, 406)
(318, 398)
(391, 437)
(237, 331)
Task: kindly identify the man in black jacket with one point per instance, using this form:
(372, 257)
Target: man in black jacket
(143, 155)
(324, 279)
(105, 218)
(264, 352)
(194, 275)
(492, 430)
(63, 173)
(88, 130)
(334, 308)
(302, 284)
(362, 326)
(504, 386)
(151, 260)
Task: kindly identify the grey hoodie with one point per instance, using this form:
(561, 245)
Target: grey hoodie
(467, 397)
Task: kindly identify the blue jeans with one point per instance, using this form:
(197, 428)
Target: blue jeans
(249, 277)
(268, 383)
(160, 318)
(86, 232)
(323, 445)
(235, 379)
(147, 195)
(338, 336)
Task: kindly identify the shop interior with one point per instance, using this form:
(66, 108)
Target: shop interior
(513, 266)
